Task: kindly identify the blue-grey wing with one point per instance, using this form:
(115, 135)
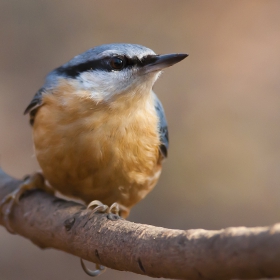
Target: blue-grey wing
(163, 129)
(51, 81)
(34, 104)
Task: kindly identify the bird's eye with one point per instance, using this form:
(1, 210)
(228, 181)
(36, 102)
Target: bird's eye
(117, 63)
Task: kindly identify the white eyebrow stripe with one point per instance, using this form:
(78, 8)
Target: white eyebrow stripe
(109, 53)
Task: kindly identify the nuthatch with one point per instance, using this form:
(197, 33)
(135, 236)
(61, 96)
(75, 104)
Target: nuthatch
(99, 130)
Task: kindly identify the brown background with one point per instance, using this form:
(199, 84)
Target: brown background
(222, 104)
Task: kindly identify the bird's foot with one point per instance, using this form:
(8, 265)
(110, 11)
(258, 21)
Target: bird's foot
(115, 211)
(113, 214)
(35, 181)
(98, 206)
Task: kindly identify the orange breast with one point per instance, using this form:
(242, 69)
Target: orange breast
(98, 151)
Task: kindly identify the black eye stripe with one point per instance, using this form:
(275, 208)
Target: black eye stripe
(75, 70)
(98, 64)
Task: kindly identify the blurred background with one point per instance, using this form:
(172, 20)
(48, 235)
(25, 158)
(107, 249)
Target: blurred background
(222, 104)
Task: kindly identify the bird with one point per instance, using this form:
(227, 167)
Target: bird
(100, 133)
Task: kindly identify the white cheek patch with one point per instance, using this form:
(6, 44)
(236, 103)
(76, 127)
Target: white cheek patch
(104, 84)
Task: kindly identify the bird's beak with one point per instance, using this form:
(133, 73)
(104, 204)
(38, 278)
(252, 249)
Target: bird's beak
(154, 63)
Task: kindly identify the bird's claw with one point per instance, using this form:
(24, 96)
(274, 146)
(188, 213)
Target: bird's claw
(114, 209)
(98, 206)
(35, 181)
(99, 269)
(10, 199)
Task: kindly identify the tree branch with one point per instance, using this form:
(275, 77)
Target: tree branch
(157, 252)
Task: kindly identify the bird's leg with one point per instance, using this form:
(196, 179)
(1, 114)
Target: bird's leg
(35, 181)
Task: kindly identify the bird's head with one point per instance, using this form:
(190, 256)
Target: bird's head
(109, 70)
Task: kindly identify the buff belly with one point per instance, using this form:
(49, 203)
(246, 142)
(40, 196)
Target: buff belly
(90, 152)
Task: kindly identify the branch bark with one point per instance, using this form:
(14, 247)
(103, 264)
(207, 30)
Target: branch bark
(229, 253)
